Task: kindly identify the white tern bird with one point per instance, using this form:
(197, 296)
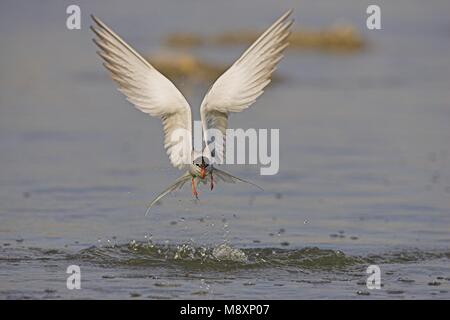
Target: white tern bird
(151, 92)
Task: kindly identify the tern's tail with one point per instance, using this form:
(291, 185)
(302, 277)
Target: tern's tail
(226, 177)
(176, 185)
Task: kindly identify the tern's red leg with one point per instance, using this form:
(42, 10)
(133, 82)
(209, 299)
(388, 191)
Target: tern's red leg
(194, 189)
(212, 181)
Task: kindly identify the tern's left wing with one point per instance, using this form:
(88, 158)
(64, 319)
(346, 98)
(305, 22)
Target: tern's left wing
(149, 91)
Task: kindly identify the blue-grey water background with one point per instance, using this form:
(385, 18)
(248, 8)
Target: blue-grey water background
(364, 161)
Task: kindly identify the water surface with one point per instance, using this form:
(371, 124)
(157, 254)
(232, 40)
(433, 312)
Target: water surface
(364, 163)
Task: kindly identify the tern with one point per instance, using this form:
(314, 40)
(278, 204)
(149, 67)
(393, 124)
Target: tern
(152, 93)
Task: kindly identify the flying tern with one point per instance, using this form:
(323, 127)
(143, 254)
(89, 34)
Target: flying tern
(152, 93)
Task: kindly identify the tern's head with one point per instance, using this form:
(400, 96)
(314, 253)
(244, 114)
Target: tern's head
(201, 166)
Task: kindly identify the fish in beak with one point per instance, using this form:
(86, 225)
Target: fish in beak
(202, 172)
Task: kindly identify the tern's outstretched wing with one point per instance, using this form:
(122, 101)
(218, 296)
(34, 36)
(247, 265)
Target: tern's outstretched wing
(244, 81)
(177, 185)
(149, 91)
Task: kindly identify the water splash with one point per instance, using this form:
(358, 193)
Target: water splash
(190, 256)
(224, 252)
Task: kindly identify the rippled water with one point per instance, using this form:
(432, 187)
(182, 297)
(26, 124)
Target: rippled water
(145, 269)
(364, 162)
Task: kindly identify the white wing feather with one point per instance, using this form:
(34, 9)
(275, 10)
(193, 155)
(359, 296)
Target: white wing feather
(148, 90)
(238, 88)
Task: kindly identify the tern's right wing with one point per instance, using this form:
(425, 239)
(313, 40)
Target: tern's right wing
(244, 81)
(149, 91)
(177, 185)
(229, 178)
